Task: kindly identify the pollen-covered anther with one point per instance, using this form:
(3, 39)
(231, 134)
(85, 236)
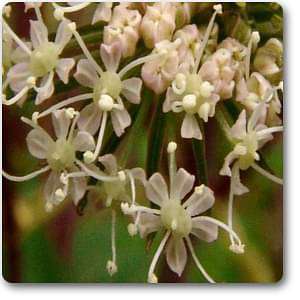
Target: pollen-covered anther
(189, 102)
(255, 37)
(218, 8)
(204, 111)
(179, 84)
(111, 267)
(206, 89)
(31, 81)
(63, 178)
(58, 14)
(199, 189)
(106, 103)
(237, 248)
(88, 157)
(59, 195)
(132, 229)
(152, 278)
(172, 146)
(71, 113)
(126, 209)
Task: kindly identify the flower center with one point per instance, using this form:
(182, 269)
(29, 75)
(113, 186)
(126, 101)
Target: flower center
(174, 217)
(44, 59)
(62, 155)
(109, 83)
(115, 189)
(250, 142)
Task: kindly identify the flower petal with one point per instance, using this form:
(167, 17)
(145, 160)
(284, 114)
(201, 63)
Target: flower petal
(237, 187)
(61, 123)
(38, 143)
(110, 163)
(111, 55)
(204, 230)
(63, 35)
(85, 74)
(77, 188)
(183, 184)
(148, 223)
(51, 185)
(190, 128)
(17, 76)
(132, 90)
(139, 174)
(120, 120)
(89, 119)
(102, 13)
(156, 189)
(38, 33)
(238, 130)
(176, 255)
(200, 201)
(84, 141)
(64, 67)
(46, 89)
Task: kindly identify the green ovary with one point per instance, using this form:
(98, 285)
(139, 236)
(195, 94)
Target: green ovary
(62, 155)
(174, 217)
(44, 59)
(110, 84)
(114, 189)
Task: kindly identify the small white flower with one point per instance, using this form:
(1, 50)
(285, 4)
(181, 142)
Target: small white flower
(123, 28)
(42, 59)
(158, 23)
(177, 218)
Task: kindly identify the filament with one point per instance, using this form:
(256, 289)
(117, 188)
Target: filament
(71, 9)
(197, 262)
(26, 177)
(17, 97)
(266, 174)
(264, 132)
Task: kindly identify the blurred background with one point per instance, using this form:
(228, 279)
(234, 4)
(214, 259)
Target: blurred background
(72, 245)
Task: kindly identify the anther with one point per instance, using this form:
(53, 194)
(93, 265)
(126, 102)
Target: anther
(58, 14)
(132, 229)
(111, 267)
(172, 146)
(204, 111)
(59, 195)
(189, 102)
(174, 225)
(31, 81)
(35, 117)
(72, 27)
(88, 157)
(218, 8)
(206, 89)
(152, 278)
(106, 103)
(71, 112)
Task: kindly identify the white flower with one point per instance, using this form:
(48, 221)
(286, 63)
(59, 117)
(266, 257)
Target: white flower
(158, 73)
(65, 178)
(41, 61)
(256, 90)
(123, 28)
(177, 218)
(158, 23)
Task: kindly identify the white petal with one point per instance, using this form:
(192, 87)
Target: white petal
(190, 128)
(38, 143)
(84, 141)
(77, 188)
(156, 189)
(63, 34)
(17, 76)
(200, 202)
(170, 97)
(139, 174)
(132, 90)
(109, 162)
(237, 187)
(120, 120)
(226, 171)
(204, 230)
(183, 183)
(111, 55)
(148, 223)
(238, 130)
(256, 115)
(38, 33)
(176, 255)
(51, 185)
(61, 123)
(89, 119)
(102, 13)
(85, 74)
(64, 67)
(45, 90)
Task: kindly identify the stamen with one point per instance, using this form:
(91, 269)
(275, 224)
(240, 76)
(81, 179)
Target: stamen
(47, 84)
(64, 103)
(38, 13)
(226, 228)
(132, 229)
(230, 206)
(70, 9)
(172, 146)
(128, 210)
(111, 264)
(137, 62)
(20, 43)
(177, 106)
(95, 175)
(265, 132)
(266, 174)
(132, 185)
(72, 128)
(72, 27)
(151, 275)
(16, 98)
(218, 10)
(26, 177)
(197, 262)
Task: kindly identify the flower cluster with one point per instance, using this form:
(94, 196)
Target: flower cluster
(187, 65)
